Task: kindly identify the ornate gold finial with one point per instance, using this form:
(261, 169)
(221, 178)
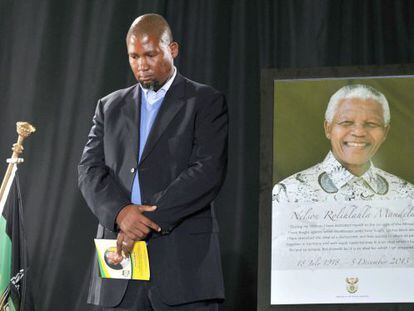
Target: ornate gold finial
(17, 149)
(25, 129)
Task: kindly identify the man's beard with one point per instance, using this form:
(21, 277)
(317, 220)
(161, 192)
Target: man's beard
(153, 85)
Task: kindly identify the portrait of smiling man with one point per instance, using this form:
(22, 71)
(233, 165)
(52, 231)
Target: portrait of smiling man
(357, 121)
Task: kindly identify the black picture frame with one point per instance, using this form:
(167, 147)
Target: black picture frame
(268, 76)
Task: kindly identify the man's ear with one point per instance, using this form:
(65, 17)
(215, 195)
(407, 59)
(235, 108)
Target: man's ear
(386, 130)
(174, 49)
(328, 128)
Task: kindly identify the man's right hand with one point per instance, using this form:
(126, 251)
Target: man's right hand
(134, 224)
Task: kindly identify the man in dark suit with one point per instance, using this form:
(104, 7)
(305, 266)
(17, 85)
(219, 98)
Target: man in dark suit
(154, 162)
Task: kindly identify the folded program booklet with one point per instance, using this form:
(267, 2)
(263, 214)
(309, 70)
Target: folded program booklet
(135, 267)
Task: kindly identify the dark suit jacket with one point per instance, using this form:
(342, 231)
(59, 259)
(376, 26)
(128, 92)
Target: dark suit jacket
(181, 171)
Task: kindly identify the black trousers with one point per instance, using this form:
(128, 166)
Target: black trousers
(142, 296)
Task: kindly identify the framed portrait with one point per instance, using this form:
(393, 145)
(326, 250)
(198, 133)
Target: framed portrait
(336, 187)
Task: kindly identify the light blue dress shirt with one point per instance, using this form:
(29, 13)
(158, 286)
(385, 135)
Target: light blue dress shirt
(151, 102)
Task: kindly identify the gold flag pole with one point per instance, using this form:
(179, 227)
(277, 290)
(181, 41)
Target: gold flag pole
(24, 130)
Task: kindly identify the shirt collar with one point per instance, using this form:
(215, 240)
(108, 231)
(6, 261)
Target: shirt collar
(151, 96)
(340, 176)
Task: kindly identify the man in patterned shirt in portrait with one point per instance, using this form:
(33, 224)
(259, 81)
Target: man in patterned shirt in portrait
(357, 121)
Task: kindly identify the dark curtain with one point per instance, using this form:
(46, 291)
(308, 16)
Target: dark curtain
(58, 57)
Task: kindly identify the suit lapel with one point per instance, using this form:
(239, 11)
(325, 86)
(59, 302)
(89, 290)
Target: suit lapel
(173, 101)
(131, 116)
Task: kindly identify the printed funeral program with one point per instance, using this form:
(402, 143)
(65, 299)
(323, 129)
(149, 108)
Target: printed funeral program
(343, 252)
(135, 267)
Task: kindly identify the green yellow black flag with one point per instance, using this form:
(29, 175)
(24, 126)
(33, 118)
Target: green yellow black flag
(13, 255)
(13, 263)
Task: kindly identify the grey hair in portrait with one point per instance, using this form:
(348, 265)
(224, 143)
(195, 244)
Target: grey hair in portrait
(361, 91)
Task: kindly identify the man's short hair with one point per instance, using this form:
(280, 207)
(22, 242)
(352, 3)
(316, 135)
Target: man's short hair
(151, 24)
(357, 91)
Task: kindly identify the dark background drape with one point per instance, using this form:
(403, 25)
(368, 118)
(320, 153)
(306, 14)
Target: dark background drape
(58, 57)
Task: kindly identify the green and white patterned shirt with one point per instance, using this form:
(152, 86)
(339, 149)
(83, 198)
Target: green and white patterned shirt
(329, 181)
